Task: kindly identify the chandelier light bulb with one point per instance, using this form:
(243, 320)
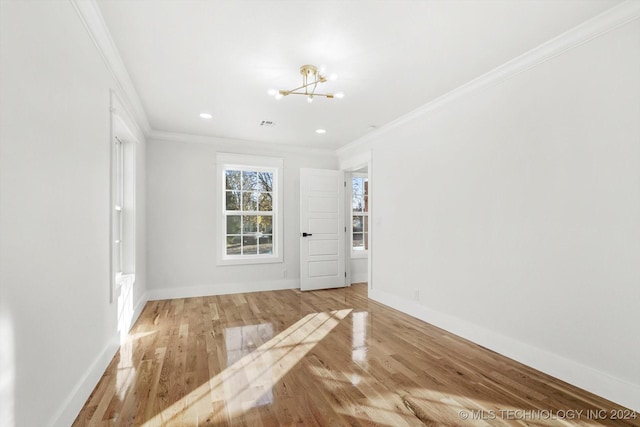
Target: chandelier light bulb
(309, 99)
(339, 95)
(272, 92)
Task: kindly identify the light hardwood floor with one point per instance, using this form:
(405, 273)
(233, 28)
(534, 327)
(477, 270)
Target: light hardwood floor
(323, 358)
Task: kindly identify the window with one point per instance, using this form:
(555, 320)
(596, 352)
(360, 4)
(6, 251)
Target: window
(118, 193)
(250, 212)
(123, 209)
(359, 214)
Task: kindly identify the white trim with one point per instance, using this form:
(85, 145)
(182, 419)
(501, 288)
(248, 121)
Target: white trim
(258, 163)
(139, 307)
(245, 160)
(231, 144)
(222, 289)
(357, 253)
(354, 161)
(90, 15)
(122, 132)
(583, 376)
(74, 402)
(69, 410)
(606, 21)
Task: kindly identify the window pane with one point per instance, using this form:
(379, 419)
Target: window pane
(357, 224)
(249, 201)
(233, 245)
(265, 245)
(358, 241)
(250, 224)
(249, 245)
(233, 201)
(358, 186)
(357, 204)
(265, 224)
(265, 202)
(234, 224)
(249, 180)
(264, 181)
(232, 180)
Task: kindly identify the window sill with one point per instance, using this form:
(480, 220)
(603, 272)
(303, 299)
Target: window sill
(249, 261)
(359, 254)
(124, 281)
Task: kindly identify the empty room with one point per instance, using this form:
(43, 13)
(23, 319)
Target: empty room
(319, 213)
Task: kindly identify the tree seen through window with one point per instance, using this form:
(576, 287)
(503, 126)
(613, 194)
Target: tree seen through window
(249, 212)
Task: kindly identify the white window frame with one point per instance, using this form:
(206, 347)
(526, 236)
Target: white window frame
(357, 253)
(226, 161)
(123, 200)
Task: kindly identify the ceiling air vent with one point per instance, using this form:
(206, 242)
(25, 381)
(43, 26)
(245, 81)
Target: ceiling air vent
(267, 123)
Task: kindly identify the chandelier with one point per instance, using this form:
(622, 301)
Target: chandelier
(311, 78)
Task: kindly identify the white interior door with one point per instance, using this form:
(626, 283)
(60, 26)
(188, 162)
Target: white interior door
(322, 229)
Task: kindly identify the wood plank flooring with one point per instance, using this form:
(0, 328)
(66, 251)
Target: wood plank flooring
(322, 358)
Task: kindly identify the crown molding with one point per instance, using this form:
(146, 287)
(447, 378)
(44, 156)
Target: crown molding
(93, 21)
(233, 145)
(600, 24)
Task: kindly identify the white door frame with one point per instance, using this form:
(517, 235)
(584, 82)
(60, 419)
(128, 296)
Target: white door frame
(349, 165)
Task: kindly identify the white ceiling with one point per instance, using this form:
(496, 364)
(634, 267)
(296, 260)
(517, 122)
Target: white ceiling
(221, 56)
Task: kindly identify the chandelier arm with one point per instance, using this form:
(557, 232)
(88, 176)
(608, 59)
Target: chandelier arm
(326, 95)
(307, 71)
(301, 87)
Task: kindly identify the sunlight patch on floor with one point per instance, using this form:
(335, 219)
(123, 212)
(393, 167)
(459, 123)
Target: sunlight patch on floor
(244, 384)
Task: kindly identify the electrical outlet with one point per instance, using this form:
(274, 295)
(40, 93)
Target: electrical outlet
(416, 294)
(284, 273)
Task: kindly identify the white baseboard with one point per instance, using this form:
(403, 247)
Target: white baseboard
(71, 407)
(139, 307)
(615, 389)
(78, 396)
(360, 277)
(222, 289)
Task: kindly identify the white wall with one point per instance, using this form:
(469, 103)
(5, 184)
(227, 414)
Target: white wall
(181, 220)
(525, 229)
(58, 327)
(359, 270)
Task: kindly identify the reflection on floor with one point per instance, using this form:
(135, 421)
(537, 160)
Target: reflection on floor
(322, 358)
(241, 341)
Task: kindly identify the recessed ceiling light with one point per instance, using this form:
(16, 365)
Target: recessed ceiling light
(321, 131)
(206, 115)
